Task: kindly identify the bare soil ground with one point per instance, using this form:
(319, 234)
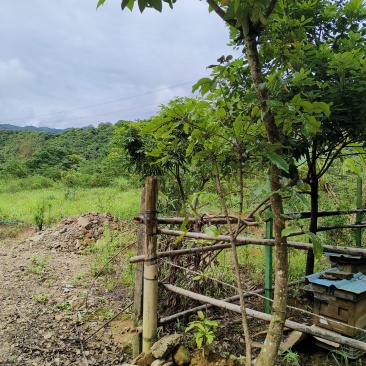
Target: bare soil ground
(52, 307)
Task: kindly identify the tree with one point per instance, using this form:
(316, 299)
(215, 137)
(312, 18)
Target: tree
(153, 147)
(325, 64)
(276, 34)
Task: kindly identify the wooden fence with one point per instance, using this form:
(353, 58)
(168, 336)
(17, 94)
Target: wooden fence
(146, 286)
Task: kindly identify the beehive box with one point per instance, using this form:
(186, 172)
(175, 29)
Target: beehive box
(340, 304)
(339, 315)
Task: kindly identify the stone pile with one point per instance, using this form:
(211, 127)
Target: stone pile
(78, 232)
(167, 351)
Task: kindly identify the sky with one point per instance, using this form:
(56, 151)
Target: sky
(65, 64)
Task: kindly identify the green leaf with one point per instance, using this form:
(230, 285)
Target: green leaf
(238, 125)
(212, 230)
(211, 323)
(279, 161)
(317, 244)
(267, 215)
(180, 237)
(170, 2)
(127, 3)
(142, 5)
(191, 325)
(204, 82)
(236, 5)
(156, 4)
(313, 125)
(245, 26)
(349, 165)
(100, 2)
(210, 337)
(183, 227)
(290, 230)
(199, 339)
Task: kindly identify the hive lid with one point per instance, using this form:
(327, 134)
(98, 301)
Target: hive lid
(356, 285)
(340, 255)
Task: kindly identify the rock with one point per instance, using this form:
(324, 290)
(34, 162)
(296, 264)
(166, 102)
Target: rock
(149, 358)
(146, 360)
(158, 363)
(136, 359)
(36, 238)
(87, 242)
(84, 223)
(181, 356)
(163, 346)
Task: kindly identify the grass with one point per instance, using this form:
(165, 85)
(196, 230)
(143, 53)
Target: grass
(38, 265)
(41, 298)
(24, 206)
(77, 279)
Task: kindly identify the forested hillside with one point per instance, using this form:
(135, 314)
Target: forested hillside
(74, 156)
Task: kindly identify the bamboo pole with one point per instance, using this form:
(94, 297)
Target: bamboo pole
(268, 269)
(312, 330)
(307, 214)
(150, 295)
(240, 242)
(171, 318)
(205, 219)
(249, 221)
(139, 282)
(359, 214)
(327, 228)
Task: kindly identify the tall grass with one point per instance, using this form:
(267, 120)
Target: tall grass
(58, 202)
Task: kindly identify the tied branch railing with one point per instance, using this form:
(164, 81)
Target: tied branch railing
(146, 281)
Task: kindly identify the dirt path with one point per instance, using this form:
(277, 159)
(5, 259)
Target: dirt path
(51, 305)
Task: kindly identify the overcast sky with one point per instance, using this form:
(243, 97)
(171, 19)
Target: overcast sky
(65, 64)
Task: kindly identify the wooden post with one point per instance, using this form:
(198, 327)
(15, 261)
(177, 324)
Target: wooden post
(268, 270)
(359, 214)
(150, 296)
(138, 304)
(268, 264)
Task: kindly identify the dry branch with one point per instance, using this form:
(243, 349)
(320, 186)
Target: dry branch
(204, 219)
(312, 330)
(240, 241)
(171, 318)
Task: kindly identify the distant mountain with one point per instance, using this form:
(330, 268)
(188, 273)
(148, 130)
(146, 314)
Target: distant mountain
(32, 128)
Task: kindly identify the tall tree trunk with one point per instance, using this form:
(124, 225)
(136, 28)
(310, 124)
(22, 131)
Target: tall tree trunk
(233, 234)
(314, 208)
(270, 349)
(311, 158)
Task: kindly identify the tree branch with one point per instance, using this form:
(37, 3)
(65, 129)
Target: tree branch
(221, 13)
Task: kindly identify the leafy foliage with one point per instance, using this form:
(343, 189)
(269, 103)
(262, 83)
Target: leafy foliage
(204, 330)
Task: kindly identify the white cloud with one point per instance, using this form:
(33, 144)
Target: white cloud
(165, 94)
(58, 57)
(13, 73)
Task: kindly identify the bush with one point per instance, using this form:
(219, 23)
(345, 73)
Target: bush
(12, 185)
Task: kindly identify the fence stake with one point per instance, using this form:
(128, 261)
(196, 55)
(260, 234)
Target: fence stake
(138, 304)
(359, 214)
(268, 265)
(268, 270)
(150, 296)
